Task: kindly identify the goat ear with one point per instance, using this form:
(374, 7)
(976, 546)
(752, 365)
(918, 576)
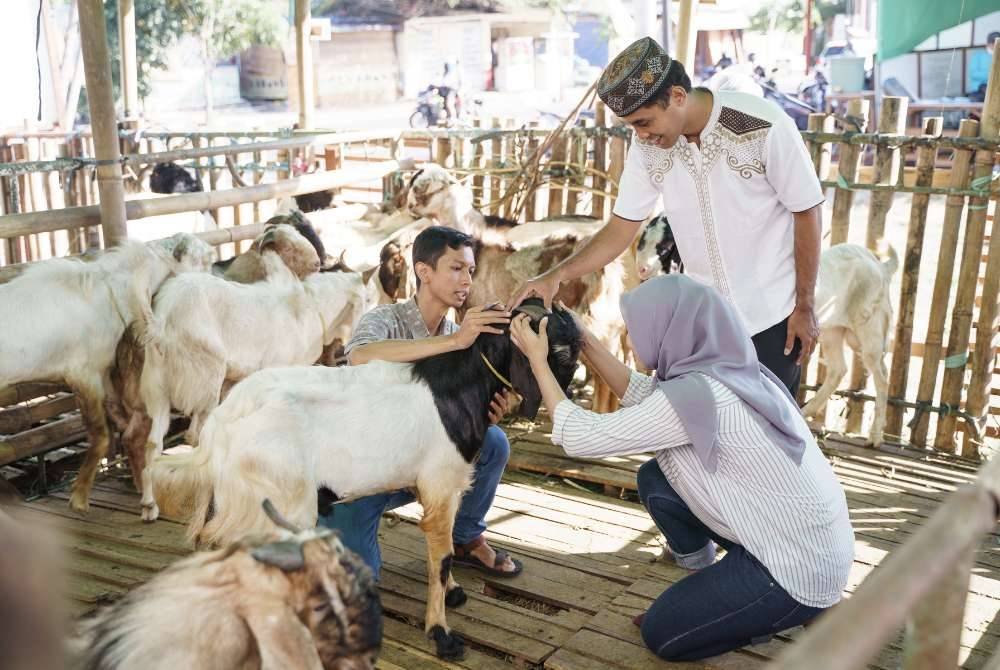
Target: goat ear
(524, 382)
(286, 556)
(367, 274)
(269, 239)
(180, 250)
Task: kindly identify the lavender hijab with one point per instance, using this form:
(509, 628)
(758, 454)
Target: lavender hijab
(679, 327)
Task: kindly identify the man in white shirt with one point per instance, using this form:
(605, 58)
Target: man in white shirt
(740, 191)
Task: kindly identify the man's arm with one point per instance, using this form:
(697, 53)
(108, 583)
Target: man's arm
(802, 324)
(605, 246)
(477, 320)
(402, 351)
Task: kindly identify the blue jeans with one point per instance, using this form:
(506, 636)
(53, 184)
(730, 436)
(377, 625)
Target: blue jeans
(726, 604)
(358, 520)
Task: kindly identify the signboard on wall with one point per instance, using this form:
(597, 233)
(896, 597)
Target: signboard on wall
(431, 44)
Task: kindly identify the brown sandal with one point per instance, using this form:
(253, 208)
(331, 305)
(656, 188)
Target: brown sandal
(464, 557)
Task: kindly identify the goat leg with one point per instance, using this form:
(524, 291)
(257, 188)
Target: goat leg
(437, 524)
(90, 396)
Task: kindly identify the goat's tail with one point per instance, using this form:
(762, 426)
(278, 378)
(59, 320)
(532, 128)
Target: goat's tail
(889, 258)
(182, 485)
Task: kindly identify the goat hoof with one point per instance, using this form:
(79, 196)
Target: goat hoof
(450, 646)
(150, 512)
(78, 505)
(456, 597)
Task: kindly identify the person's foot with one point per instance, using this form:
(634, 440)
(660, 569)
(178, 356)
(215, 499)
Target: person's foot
(480, 555)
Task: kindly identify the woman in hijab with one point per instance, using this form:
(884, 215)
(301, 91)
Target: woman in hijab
(735, 467)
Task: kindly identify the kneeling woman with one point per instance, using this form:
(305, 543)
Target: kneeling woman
(735, 467)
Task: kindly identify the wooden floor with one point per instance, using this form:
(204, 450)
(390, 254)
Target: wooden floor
(591, 560)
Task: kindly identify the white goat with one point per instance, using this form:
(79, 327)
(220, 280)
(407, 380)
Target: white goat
(283, 433)
(71, 315)
(297, 601)
(207, 334)
(853, 306)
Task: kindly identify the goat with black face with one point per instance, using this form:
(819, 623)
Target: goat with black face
(284, 433)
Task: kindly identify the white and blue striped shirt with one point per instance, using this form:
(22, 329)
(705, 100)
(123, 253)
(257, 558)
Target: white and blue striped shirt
(793, 518)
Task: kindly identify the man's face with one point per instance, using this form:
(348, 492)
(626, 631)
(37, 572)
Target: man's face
(657, 124)
(451, 280)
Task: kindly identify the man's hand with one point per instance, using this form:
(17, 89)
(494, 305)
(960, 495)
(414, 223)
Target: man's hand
(479, 320)
(533, 345)
(499, 406)
(802, 324)
(545, 286)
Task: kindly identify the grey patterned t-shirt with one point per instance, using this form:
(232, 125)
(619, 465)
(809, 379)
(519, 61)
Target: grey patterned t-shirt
(398, 321)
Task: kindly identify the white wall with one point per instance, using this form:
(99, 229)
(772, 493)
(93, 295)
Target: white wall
(20, 76)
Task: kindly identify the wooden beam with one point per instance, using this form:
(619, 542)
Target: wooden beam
(303, 51)
(128, 66)
(687, 34)
(39, 440)
(71, 217)
(97, 69)
(23, 417)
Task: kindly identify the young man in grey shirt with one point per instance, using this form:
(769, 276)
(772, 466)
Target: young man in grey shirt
(409, 331)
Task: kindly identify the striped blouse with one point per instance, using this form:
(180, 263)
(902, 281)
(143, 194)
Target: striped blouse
(793, 518)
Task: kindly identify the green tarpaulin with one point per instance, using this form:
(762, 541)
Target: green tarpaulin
(903, 24)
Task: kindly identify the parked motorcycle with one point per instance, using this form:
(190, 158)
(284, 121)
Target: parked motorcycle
(431, 112)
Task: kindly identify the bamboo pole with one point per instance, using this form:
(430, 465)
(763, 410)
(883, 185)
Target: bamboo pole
(577, 163)
(495, 182)
(97, 68)
(600, 161)
(128, 75)
(687, 34)
(442, 152)
(899, 373)
(961, 316)
(984, 354)
(556, 190)
(820, 151)
(933, 634)
(510, 160)
(531, 197)
(934, 340)
(616, 165)
(53, 43)
(891, 120)
(23, 224)
(477, 163)
(850, 635)
(303, 51)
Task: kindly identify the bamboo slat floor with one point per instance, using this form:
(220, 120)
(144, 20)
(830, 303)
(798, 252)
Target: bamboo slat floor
(592, 560)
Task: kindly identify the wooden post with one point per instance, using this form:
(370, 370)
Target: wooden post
(687, 35)
(530, 213)
(899, 374)
(819, 151)
(128, 72)
(616, 166)
(495, 164)
(847, 165)
(303, 51)
(600, 162)
(934, 340)
(97, 68)
(68, 179)
(558, 163)
(984, 355)
(892, 121)
(578, 164)
(477, 164)
(933, 634)
(509, 160)
(442, 154)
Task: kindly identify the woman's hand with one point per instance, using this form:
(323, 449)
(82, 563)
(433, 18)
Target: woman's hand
(533, 345)
(584, 331)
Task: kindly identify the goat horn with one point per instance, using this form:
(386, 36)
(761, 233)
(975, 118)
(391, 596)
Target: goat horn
(275, 516)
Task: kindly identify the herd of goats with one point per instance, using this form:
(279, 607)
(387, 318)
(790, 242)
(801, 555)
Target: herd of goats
(250, 349)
